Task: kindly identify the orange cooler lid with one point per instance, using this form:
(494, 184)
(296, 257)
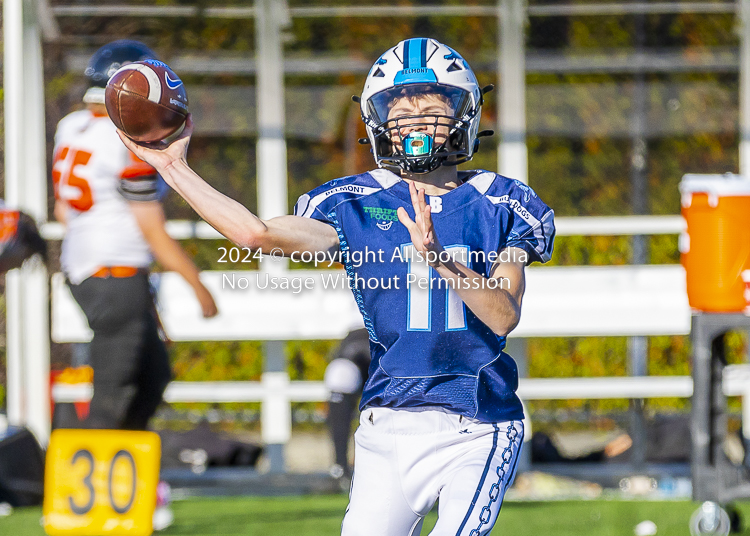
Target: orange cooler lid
(715, 186)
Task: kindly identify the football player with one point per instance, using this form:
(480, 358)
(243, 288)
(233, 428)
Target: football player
(19, 239)
(109, 202)
(440, 417)
(344, 378)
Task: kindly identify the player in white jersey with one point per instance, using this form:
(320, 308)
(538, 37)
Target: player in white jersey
(109, 202)
(441, 418)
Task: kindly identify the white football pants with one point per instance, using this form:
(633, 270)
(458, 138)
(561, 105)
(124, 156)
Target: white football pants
(405, 460)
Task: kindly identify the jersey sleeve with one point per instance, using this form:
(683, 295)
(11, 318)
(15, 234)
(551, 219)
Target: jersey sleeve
(532, 223)
(304, 209)
(319, 204)
(139, 181)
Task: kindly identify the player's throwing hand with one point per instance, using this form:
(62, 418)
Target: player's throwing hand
(161, 155)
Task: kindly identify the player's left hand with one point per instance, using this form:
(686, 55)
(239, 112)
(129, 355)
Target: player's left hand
(421, 229)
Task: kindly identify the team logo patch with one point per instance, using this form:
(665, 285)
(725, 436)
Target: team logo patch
(384, 216)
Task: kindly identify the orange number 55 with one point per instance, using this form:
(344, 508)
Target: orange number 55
(64, 177)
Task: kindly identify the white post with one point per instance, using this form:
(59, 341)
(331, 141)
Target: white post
(13, 351)
(27, 290)
(744, 12)
(36, 286)
(746, 412)
(270, 17)
(276, 414)
(13, 89)
(36, 343)
(34, 142)
(512, 154)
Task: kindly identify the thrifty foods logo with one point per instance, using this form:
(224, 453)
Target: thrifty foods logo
(381, 214)
(384, 216)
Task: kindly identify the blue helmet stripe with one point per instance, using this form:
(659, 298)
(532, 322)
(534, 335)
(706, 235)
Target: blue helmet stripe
(415, 64)
(415, 53)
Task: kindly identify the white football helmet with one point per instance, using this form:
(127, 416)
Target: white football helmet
(423, 141)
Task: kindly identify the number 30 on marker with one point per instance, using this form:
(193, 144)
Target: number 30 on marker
(101, 482)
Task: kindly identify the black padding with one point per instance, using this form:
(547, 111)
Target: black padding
(21, 468)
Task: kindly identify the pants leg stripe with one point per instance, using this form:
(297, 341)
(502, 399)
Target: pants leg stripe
(486, 515)
(481, 480)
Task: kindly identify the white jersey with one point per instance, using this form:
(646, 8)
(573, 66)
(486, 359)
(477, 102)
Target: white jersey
(95, 175)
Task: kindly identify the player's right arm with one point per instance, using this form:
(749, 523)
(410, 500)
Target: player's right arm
(230, 218)
(150, 218)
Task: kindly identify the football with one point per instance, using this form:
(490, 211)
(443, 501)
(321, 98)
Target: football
(146, 100)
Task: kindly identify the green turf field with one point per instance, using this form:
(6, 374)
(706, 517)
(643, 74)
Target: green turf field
(321, 515)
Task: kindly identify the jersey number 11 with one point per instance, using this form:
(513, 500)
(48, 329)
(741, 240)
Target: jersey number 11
(419, 283)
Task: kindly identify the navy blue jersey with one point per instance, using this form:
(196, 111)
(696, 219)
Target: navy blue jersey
(428, 349)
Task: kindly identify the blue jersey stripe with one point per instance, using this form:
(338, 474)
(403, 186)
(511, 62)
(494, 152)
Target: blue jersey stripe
(344, 248)
(481, 480)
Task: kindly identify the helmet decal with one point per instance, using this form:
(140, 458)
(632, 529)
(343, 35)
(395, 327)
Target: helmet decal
(415, 64)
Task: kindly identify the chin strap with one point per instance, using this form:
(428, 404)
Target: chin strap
(94, 95)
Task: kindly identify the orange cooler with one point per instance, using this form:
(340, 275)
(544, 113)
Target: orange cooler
(716, 246)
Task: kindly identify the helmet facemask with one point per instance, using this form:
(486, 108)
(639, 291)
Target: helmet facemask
(422, 143)
(420, 127)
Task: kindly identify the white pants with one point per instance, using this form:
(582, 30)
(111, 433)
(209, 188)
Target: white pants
(404, 460)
